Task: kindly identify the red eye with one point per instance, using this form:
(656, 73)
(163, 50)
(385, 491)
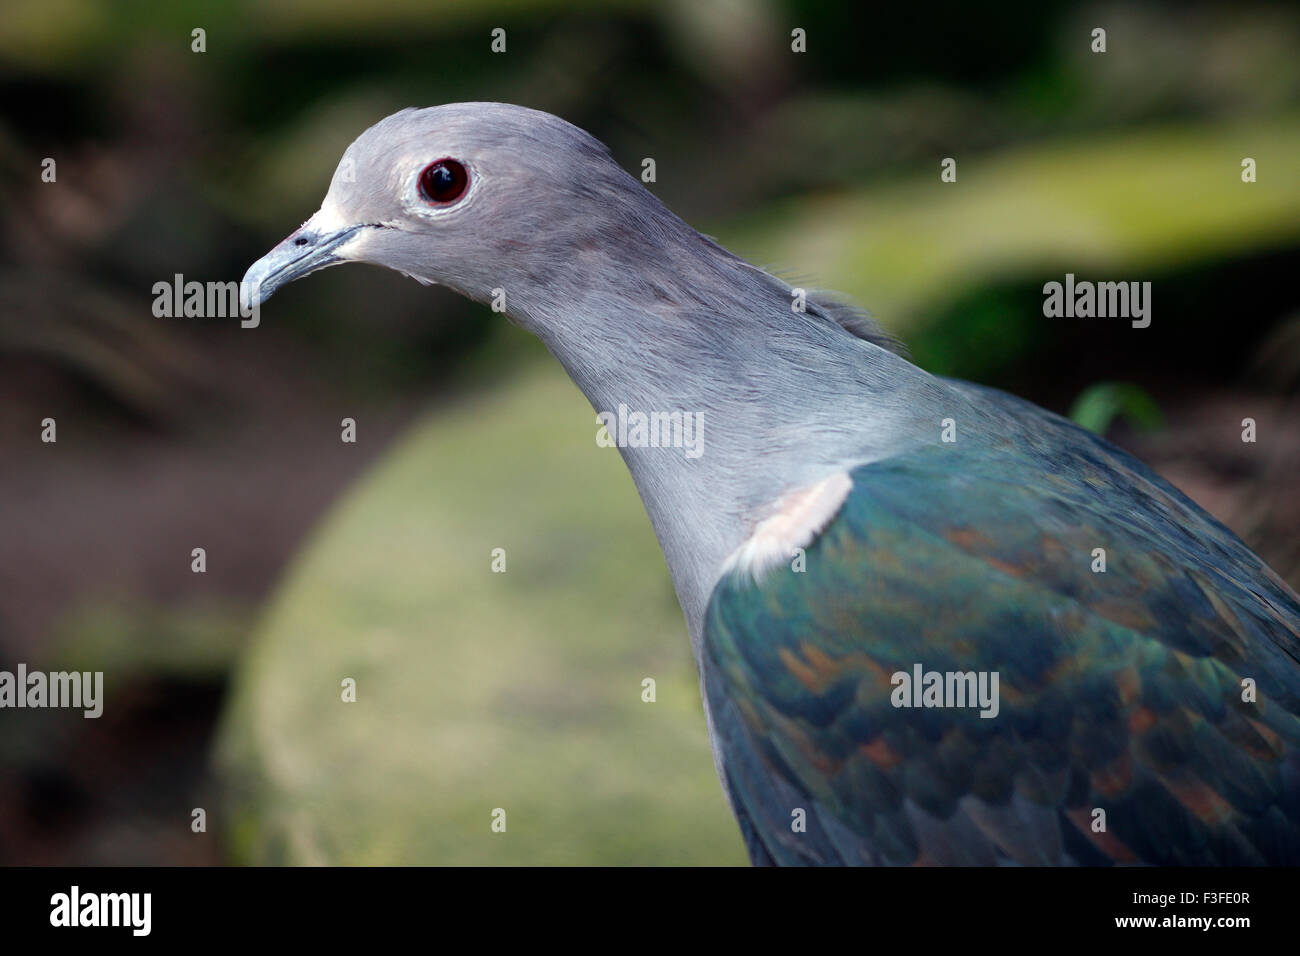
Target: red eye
(444, 181)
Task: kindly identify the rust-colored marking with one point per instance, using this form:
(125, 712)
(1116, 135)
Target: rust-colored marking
(1114, 778)
(1106, 842)
(1141, 720)
(881, 754)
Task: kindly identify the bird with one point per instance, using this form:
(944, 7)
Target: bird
(934, 623)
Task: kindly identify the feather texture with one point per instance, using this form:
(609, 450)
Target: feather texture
(1125, 733)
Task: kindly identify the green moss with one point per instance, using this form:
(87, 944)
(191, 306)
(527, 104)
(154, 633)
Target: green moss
(478, 690)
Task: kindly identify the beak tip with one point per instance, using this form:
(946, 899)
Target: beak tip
(253, 291)
(302, 253)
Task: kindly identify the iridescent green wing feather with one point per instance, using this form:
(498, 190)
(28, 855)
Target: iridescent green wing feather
(1147, 713)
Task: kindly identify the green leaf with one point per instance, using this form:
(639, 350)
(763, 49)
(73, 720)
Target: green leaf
(1098, 405)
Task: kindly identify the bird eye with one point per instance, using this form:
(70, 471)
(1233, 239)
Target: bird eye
(444, 181)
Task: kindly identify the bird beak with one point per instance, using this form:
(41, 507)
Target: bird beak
(307, 250)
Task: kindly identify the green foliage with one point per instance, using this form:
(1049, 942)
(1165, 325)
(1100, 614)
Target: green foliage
(1134, 201)
(199, 640)
(1101, 403)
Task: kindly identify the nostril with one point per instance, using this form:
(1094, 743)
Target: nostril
(300, 241)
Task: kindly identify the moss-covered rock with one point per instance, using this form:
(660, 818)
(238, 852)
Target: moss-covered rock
(478, 690)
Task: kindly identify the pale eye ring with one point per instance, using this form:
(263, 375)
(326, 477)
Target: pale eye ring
(443, 182)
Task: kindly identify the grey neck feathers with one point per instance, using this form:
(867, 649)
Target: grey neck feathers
(650, 315)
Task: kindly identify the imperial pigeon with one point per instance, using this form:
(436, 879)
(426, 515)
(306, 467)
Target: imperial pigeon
(934, 623)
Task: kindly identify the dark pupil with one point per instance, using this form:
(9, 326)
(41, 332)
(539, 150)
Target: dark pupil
(443, 182)
(442, 179)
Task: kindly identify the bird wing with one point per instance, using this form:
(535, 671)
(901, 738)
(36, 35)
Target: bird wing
(1147, 713)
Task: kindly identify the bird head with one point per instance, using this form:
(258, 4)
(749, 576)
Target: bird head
(474, 196)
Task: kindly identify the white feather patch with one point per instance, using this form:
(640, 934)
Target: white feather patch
(794, 520)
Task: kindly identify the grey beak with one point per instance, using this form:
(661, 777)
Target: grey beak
(303, 252)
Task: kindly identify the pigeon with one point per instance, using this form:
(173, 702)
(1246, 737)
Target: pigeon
(934, 623)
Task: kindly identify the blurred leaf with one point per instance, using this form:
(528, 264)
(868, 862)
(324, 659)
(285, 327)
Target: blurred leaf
(1099, 404)
(1136, 201)
(197, 641)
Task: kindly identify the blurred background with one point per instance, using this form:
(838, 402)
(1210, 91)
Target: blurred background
(326, 560)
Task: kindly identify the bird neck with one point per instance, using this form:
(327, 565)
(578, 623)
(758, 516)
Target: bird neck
(718, 394)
